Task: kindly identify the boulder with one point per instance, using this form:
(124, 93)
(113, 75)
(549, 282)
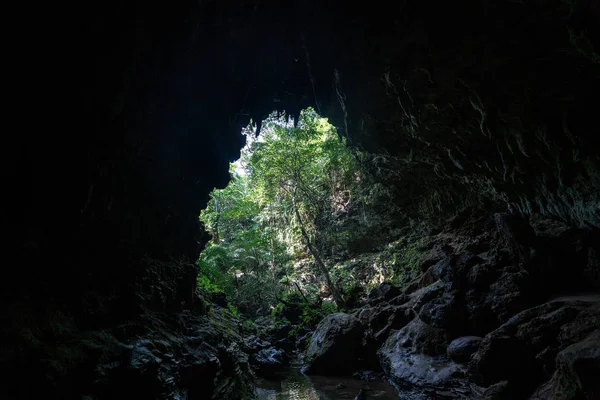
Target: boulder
(444, 312)
(287, 344)
(481, 276)
(380, 322)
(278, 331)
(410, 370)
(253, 344)
(430, 258)
(498, 391)
(383, 319)
(426, 294)
(335, 345)
(383, 292)
(421, 338)
(577, 370)
(399, 300)
(461, 349)
(516, 234)
(489, 306)
(219, 298)
(267, 362)
(453, 268)
(523, 350)
(163, 362)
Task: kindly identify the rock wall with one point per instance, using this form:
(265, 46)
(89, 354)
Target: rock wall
(506, 311)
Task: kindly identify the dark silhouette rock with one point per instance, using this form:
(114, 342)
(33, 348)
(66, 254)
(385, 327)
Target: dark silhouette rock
(461, 349)
(421, 338)
(362, 395)
(254, 344)
(267, 362)
(220, 299)
(534, 337)
(335, 345)
(498, 391)
(444, 312)
(403, 361)
(577, 371)
(383, 292)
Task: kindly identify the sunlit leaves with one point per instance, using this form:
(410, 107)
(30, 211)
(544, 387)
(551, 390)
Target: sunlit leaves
(305, 168)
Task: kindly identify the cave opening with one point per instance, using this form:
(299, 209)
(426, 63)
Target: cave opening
(300, 208)
(443, 233)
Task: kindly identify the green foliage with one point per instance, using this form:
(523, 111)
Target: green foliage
(278, 309)
(286, 172)
(406, 263)
(312, 316)
(297, 195)
(234, 311)
(213, 273)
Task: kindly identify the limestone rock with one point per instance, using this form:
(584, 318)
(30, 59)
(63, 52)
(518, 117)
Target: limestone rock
(383, 292)
(334, 346)
(461, 349)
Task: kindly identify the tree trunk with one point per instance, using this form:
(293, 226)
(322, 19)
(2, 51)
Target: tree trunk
(215, 232)
(337, 297)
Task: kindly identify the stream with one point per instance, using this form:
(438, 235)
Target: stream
(291, 384)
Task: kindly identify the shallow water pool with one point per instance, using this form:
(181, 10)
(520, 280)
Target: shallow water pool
(291, 384)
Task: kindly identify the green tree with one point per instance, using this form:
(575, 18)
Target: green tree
(300, 172)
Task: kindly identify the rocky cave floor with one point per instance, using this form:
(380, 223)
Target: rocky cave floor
(503, 309)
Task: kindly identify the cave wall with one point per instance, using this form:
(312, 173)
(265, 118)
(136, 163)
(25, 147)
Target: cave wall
(138, 110)
(132, 111)
(488, 100)
(128, 113)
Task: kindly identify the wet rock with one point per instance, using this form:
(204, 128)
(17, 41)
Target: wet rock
(412, 287)
(444, 312)
(386, 318)
(380, 322)
(409, 369)
(426, 279)
(254, 344)
(421, 338)
(461, 349)
(268, 361)
(383, 292)
(368, 375)
(287, 344)
(335, 345)
(364, 314)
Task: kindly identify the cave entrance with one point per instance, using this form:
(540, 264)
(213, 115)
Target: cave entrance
(269, 224)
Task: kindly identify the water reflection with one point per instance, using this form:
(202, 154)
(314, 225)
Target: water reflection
(290, 384)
